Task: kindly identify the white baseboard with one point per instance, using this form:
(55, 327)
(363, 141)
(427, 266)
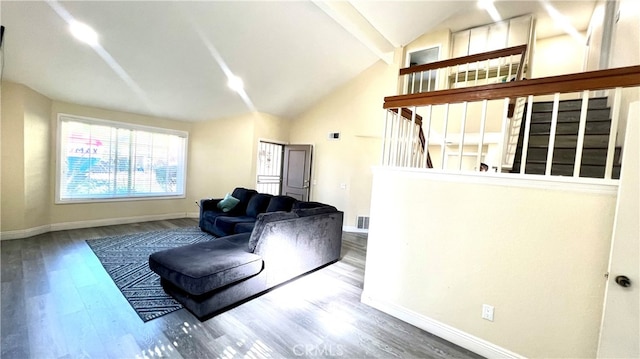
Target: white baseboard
(29, 232)
(24, 233)
(354, 229)
(444, 331)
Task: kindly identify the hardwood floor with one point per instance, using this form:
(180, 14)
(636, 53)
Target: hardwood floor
(58, 302)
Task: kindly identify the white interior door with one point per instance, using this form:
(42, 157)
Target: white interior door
(620, 331)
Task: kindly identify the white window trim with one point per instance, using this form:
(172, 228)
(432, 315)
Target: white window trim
(126, 125)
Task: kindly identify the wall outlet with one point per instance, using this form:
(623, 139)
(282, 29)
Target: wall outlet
(487, 312)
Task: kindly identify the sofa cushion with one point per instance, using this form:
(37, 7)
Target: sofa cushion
(245, 227)
(202, 267)
(225, 225)
(244, 195)
(258, 204)
(281, 203)
(263, 219)
(227, 203)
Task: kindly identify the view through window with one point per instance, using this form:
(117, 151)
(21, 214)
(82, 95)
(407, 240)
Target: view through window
(102, 160)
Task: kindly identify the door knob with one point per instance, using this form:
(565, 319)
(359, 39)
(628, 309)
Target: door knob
(623, 281)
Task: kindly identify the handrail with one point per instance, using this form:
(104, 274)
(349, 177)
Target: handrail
(592, 80)
(490, 55)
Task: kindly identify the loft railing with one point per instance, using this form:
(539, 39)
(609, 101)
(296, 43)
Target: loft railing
(465, 127)
(480, 69)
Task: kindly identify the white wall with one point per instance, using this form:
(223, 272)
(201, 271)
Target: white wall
(440, 246)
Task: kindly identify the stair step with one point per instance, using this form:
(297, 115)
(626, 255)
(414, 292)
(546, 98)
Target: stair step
(567, 105)
(590, 156)
(571, 116)
(571, 128)
(569, 141)
(567, 170)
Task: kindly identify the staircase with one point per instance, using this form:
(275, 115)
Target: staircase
(596, 139)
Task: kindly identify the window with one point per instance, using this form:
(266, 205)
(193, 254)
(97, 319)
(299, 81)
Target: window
(103, 160)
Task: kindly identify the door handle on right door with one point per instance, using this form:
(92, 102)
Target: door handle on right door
(623, 281)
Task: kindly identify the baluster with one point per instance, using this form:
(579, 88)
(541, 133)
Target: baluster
(385, 148)
(483, 122)
(486, 77)
(429, 81)
(462, 128)
(503, 131)
(615, 118)
(527, 129)
(552, 133)
(510, 67)
(581, 130)
(477, 68)
(409, 154)
(426, 127)
(421, 77)
(395, 133)
(444, 135)
(413, 82)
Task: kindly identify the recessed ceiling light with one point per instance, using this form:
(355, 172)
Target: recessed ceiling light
(235, 83)
(83, 32)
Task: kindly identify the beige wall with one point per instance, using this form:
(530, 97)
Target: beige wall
(12, 175)
(558, 55)
(537, 254)
(224, 152)
(37, 164)
(354, 110)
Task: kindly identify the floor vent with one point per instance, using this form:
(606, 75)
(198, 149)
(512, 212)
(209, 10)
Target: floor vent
(363, 222)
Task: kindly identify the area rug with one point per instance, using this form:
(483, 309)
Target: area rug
(126, 259)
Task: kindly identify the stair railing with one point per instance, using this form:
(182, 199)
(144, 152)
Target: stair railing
(447, 116)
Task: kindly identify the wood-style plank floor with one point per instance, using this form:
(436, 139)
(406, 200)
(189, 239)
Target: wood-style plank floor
(58, 302)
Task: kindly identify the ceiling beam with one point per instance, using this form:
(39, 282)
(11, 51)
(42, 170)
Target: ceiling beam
(357, 25)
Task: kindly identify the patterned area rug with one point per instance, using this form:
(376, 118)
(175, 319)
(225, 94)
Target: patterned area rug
(126, 259)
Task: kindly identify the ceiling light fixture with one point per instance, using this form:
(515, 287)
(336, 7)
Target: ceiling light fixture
(83, 32)
(235, 83)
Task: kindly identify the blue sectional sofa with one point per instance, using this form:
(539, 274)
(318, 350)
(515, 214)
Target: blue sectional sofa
(262, 242)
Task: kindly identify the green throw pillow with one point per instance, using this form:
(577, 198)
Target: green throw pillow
(227, 203)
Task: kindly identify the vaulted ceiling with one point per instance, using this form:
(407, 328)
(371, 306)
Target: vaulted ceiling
(172, 59)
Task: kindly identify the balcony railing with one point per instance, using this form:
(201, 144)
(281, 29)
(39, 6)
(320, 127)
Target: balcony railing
(465, 127)
(480, 69)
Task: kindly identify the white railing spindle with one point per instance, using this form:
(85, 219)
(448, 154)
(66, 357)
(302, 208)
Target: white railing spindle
(443, 145)
(409, 155)
(462, 128)
(577, 164)
(552, 133)
(426, 128)
(615, 118)
(483, 123)
(503, 132)
(525, 140)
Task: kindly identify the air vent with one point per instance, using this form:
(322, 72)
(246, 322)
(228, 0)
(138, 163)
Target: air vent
(334, 135)
(363, 222)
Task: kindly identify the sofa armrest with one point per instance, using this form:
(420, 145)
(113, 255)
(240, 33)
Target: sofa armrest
(292, 247)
